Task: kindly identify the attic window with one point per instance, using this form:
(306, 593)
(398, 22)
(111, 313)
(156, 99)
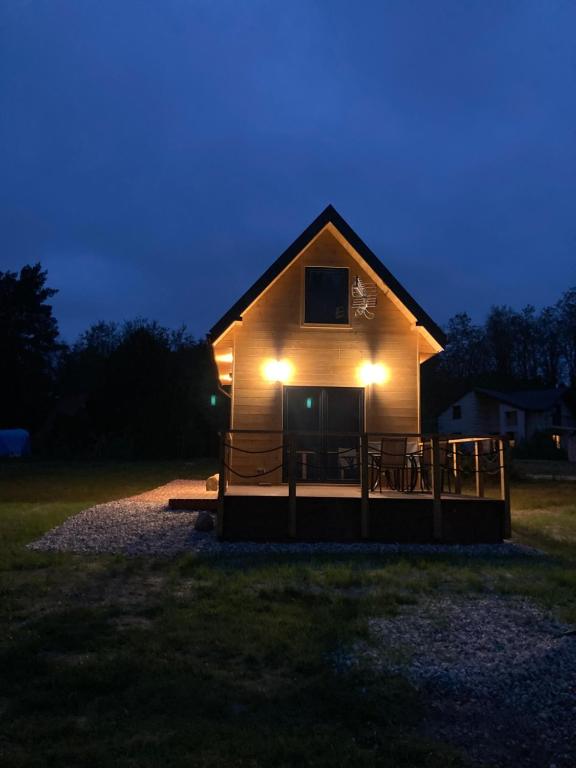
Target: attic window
(456, 411)
(326, 296)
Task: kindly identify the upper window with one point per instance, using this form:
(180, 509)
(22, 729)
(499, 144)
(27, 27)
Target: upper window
(456, 411)
(326, 295)
(511, 418)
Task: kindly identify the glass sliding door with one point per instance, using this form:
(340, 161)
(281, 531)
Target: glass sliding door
(343, 413)
(303, 416)
(314, 414)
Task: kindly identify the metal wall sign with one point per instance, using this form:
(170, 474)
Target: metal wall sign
(363, 298)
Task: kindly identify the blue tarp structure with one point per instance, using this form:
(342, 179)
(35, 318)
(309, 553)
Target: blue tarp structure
(14, 442)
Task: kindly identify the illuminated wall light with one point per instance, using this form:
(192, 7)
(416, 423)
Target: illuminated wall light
(277, 370)
(227, 358)
(212, 400)
(381, 374)
(373, 373)
(308, 402)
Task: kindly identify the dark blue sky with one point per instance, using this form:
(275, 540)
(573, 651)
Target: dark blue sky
(157, 155)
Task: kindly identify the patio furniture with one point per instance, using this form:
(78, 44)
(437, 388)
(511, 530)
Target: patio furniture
(414, 463)
(347, 462)
(426, 466)
(390, 465)
(303, 459)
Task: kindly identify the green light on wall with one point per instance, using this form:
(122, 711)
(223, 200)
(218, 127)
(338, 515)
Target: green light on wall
(308, 402)
(212, 400)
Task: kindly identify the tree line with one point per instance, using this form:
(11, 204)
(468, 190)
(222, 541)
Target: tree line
(130, 390)
(139, 390)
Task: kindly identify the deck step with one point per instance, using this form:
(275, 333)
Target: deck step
(194, 505)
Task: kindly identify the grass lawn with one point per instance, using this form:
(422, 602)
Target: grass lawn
(108, 661)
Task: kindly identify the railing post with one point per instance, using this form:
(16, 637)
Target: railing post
(221, 485)
(504, 452)
(365, 487)
(456, 468)
(292, 485)
(437, 487)
(478, 474)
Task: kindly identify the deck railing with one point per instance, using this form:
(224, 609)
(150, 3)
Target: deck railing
(439, 465)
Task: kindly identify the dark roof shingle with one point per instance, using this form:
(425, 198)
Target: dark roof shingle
(528, 399)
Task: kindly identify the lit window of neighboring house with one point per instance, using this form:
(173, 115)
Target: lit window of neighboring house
(456, 412)
(511, 418)
(556, 440)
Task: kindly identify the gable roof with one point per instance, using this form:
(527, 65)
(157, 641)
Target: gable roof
(528, 399)
(328, 216)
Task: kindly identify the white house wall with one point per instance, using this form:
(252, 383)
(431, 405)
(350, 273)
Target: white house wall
(471, 421)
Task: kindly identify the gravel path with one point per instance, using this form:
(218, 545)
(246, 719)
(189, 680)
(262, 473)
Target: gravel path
(497, 675)
(142, 525)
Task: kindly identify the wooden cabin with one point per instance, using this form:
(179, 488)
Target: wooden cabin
(325, 347)
(326, 340)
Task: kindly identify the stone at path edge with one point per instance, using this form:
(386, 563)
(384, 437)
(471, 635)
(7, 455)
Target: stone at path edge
(204, 522)
(212, 483)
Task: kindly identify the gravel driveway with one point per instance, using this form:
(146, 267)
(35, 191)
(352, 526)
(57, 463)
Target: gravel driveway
(497, 675)
(143, 525)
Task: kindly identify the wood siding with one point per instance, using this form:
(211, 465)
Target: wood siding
(321, 356)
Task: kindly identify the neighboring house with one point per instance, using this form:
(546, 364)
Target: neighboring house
(519, 415)
(326, 340)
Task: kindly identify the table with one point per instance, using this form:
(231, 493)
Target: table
(304, 461)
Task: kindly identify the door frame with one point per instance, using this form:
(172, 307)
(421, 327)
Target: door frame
(323, 433)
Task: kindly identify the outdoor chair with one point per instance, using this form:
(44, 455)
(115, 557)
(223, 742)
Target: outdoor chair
(347, 463)
(413, 462)
(426, 466)
(390, 465)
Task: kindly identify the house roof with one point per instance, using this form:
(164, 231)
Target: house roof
(528, 399)
(328, 216)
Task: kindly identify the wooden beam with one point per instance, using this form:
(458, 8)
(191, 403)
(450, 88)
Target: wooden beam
(292, 484)
(437, 487)
(365, 486)
(456, 469)
(504, 452)
(478, 473)
(221, 485)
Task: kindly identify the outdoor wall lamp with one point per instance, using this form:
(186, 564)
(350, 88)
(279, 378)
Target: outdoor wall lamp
(277, 370)
(373, 373)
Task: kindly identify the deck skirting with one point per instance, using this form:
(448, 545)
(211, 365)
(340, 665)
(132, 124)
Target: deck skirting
(406, 519)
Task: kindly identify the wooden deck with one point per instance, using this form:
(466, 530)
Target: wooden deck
(334, 513)
(337, 511)
(207, 500)
(334, 491)
(340, 511)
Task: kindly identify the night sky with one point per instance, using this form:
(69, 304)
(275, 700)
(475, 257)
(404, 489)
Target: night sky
(157, 155)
